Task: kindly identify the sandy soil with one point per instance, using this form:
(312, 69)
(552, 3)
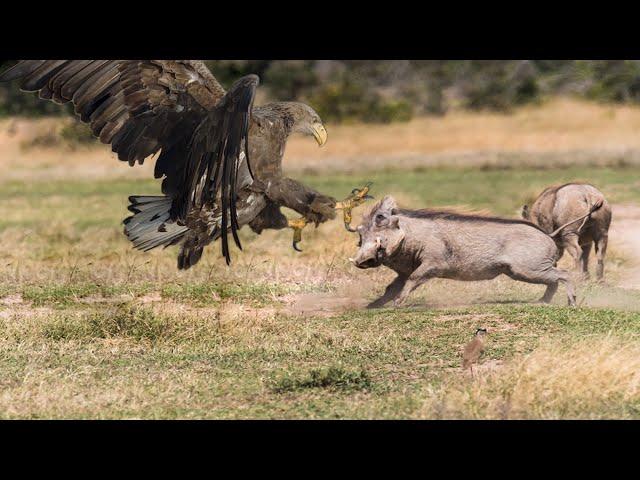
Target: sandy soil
(624, 235)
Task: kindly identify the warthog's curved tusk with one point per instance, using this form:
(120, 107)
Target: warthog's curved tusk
(352, 260)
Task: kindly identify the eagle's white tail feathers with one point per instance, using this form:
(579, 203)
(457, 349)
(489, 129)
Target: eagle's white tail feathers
(147, 228)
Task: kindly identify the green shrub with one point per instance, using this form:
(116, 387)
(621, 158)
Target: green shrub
(614, 80)
(77, 133)
(70, 135)
(347, 100)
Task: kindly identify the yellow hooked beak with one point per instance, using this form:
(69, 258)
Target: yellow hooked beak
(320, 133)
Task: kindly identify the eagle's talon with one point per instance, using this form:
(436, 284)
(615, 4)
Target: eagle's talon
(358, 197)
(297, 225)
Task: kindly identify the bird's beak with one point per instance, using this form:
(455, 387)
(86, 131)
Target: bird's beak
(320, 133)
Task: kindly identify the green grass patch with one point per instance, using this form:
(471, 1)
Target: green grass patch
(202, 294)
(129, 321)
(503, 191)
(333, 378)
(68, 295)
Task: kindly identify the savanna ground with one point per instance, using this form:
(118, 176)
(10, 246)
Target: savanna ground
(90, 328)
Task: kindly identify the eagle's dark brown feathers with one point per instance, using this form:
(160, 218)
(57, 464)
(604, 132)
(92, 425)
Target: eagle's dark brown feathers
(177, 109)
(142, 107)
(135, 105)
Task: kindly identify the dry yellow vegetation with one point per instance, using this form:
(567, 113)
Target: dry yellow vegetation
(561, 131)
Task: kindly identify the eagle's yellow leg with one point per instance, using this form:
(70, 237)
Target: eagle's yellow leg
(357, 197)
(297, 225)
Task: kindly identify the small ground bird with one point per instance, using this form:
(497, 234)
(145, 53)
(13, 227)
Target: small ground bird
(474, 349)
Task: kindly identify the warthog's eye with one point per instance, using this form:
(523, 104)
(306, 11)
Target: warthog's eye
(380, 219)
(359, 241)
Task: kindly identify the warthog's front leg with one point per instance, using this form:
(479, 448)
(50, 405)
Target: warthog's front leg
(391, 292)
(419, 276)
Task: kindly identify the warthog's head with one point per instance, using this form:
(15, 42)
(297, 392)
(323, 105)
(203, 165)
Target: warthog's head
(380, 235)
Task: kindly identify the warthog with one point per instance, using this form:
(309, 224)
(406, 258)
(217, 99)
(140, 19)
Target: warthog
(558, 204)
(423, 244)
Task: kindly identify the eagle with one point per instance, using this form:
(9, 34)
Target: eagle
(219, 156)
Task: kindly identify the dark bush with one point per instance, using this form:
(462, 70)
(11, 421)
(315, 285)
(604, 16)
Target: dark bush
(77, 133)
(614, 80)
(348, 100)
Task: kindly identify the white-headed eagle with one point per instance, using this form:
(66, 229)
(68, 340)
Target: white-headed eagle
(219, 156)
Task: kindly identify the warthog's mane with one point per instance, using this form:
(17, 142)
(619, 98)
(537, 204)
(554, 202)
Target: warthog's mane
(432, 214)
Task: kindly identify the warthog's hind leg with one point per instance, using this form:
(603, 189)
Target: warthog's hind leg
(572, 245)
(549, 277)
(601, 251)
(586, 251)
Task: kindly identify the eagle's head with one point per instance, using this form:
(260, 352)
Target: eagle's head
(301, 118)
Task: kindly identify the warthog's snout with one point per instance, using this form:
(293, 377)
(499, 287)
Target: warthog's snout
(370, 255)
(369, 263)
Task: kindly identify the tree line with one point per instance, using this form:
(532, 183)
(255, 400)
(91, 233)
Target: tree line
(396, 90)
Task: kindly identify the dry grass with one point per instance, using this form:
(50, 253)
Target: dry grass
(596, 377)
(561, 132)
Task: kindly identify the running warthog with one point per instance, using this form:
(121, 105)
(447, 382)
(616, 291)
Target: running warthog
(557, 205)
(424, 244)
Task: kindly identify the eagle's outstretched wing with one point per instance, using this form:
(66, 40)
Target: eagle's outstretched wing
(209, 172)
(137, 106)
(142, 107)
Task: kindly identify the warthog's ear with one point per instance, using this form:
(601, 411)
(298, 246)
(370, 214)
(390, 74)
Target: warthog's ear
(388, 204)
(525, 212)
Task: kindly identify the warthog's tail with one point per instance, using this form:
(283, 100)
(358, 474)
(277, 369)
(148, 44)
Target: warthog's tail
(584, 219)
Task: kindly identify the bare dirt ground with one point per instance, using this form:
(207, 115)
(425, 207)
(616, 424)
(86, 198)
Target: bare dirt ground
(624, 235)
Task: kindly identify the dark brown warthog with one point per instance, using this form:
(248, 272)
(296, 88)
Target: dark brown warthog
(557, 205)
(424, 244)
